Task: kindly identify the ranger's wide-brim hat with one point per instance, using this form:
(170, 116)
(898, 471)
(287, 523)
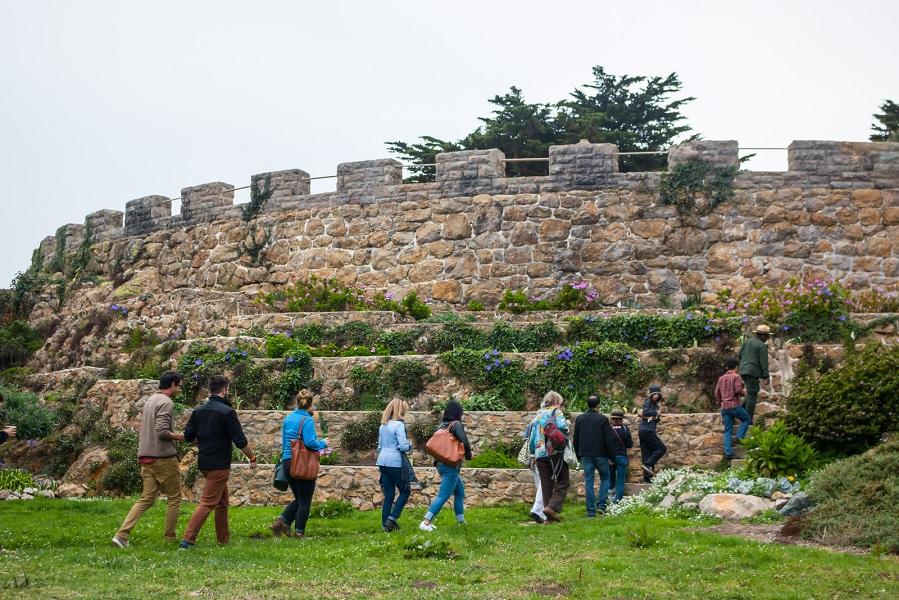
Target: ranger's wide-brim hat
(763, 329)
(617, 414)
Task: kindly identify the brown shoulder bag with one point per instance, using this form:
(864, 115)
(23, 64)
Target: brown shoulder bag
(303, 461)
(446, 447)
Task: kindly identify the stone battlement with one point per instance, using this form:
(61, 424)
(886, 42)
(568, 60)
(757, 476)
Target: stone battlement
(581, 166)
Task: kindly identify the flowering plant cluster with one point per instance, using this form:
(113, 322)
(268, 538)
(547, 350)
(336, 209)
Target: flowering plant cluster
(653, 331)
(119, 310)
(575, 295)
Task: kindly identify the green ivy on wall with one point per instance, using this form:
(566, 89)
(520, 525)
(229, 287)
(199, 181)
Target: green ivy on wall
(681, 185)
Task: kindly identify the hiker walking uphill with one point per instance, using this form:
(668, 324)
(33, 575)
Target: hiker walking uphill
(547, 445)
(651, 447)
(753, 357)
(594, 445)
(729, 394)
(158, 458)
(214, 425)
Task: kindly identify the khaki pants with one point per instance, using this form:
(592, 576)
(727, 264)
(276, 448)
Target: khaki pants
(163, 476)
(215, 497)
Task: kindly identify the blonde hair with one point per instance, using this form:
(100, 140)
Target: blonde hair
(304, 399)
(552, 398)
(396, 410)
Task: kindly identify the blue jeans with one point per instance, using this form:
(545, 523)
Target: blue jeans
(601, 464)
(450, 485)
(619, 474)
(728, 417)
(392, 480)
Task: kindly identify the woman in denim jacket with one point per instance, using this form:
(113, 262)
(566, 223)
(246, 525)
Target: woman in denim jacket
(392, 446)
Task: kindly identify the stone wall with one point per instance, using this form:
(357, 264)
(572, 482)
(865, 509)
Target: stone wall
(475, 232)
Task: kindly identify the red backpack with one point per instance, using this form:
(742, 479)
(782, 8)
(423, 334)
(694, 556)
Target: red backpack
(556, 440)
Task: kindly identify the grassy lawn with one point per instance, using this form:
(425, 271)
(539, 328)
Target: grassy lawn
(63, 549)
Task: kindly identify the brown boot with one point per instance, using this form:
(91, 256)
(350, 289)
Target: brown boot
(552, 515)
(279, 528)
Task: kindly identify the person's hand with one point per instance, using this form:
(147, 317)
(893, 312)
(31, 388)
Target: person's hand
(253, 463)
(10, 430)
(327, 443)
(178, 437)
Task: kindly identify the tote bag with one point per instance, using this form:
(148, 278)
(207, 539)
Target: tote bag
(446, 447)
(303, 461)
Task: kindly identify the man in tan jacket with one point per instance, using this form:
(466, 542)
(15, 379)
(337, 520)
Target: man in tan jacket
(158, 459)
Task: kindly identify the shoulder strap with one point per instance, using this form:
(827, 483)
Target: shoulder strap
(619, 437)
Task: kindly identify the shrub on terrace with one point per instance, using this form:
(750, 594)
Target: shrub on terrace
(775, 452)
(848, 408)
(651, 331)
(24, 410)
(18, 341)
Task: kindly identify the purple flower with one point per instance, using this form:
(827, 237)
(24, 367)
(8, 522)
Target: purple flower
(495, 352)
(545, 363)
(786, 327)
(487, 356)
(31, 443)
(496, 363)
(198, 362)
(842, 317)
(507, 361)
(114, 307)
(627, 357)
(707, 328)
(488, 368)
(745, 319)
(689, 316)
(290, 360)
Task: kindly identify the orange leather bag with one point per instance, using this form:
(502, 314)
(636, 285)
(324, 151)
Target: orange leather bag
(446, 447)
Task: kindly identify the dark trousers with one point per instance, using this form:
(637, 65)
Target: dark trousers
(297, 511)
(554, 489)
(392, 480)
(752, 394)
(651, 449)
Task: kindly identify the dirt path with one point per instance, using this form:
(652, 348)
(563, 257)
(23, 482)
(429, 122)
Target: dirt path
(773, 534)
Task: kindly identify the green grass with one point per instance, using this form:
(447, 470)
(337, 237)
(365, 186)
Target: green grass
(63, 549)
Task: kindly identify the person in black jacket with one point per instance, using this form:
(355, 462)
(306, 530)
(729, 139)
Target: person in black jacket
(450, 475)
(618, 466)
(651, 447)
(214, 426)
(594, 444)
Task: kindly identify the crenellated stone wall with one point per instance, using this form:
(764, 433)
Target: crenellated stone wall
(475, 232)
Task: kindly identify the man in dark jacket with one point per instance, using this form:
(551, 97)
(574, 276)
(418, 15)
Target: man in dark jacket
(754, 366)
(594, 444)
(651, 447)
(214, 425)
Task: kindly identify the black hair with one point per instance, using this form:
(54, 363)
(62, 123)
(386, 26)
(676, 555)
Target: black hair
(168, 379)
(453, 411)
(217, 384)
(592, 402)
(731, 363)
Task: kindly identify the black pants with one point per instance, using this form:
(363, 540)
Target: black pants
(651, 449)
(298, 509)
(554, 489)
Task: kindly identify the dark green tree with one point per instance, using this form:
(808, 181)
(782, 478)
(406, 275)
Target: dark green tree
(888, 130)
(634, 112)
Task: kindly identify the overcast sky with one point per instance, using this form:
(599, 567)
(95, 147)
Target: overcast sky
(103, 102)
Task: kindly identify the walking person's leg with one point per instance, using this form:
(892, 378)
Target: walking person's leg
(170, 483)
(658, 449)
(728, 420)
(282, 524)
(537, 507)
(304, 504)
(645, 453)
(216, 484)
(146, 500)
(388, 488)
(222, 531)
(588, 463)
(752, 394)
(405, 491)
(562, 483)
(547, 485)
(620, 476)
(448, 477)
(745, 421)
(603, 466)
(459, 499)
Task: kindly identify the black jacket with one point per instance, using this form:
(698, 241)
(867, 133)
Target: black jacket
(593, 436)
(215, 426)
(624, 433)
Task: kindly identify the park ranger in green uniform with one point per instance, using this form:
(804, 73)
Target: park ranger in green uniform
(754, 365)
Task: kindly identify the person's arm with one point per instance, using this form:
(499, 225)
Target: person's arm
(649, 413)
(459, 432)
(561, 422)
(763, 361)
(310, 438)
(610, 440)
(719, 392)
(739, 389)
(5, 434)
(576, 438)
(235, 432)
(402, 441)
(190, 431)
(163, 423)
(628, 440)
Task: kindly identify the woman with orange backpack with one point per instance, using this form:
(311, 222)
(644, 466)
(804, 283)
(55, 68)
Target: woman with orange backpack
(449, 445)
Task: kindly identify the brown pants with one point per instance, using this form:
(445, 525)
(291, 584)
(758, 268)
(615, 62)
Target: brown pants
(554, 492)
(215, 497)
(161, 475)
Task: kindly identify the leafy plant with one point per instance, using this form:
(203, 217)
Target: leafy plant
(361, 434)
(332, 508)
(123, 474)
(490, 370)
(495, 457)
(399, 341)
(18, 341)
(641, 537)
(421, 430)
(848, 408)
(24, 410)
(428, 547)
(16, 480)
(316, 295)
(296, 376)
(475, 305)
(681, 185)
(414, 307)
(652, 331)
(259, 195)
(774, 452)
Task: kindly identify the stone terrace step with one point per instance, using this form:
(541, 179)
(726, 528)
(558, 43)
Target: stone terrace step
(360, 487)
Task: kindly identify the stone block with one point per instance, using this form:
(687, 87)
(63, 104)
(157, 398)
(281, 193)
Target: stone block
(471, 165)
(718, 153)
(368, 177)
(104, 224)
(205, 203)
(146, 214)
(844, 160)
(583, 164)
(281, 184)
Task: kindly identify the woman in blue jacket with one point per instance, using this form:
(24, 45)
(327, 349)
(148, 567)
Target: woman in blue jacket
(393, 444)
(298, 422)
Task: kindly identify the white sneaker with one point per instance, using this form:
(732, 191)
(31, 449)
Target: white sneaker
(426, 526)
(116, 541)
